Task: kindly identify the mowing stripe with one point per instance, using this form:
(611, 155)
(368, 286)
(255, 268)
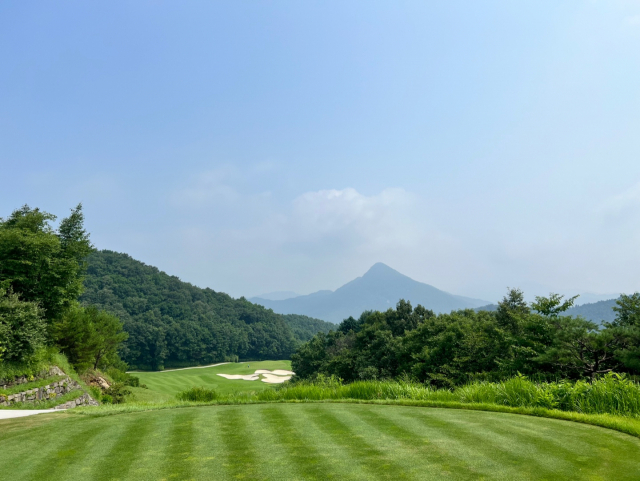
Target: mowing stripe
(125, 449)
(68, 456)
(369, 457)
(240, 455)
(418, 445)
(308, 462)
(488, 455)
(10, 445)
(179, 449)
(545, 444)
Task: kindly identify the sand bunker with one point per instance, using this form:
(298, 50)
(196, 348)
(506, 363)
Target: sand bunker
(277, 372)
(271, 377)
(249, 377)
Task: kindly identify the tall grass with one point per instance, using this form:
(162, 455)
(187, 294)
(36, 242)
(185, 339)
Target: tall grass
(611, 394)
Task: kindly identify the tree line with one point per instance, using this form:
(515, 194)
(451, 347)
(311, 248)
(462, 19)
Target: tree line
(102, 308)
(446, 350)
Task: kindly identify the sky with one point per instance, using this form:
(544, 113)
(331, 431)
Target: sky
(259, 146)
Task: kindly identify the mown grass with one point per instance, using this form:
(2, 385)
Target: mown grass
(319, 440)
(172, 382)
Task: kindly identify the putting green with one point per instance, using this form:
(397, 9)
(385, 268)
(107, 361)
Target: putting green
(312, 441)
(169, 383)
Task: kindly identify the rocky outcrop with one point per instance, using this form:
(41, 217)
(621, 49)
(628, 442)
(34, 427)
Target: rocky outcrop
(84, 400)
(97, 381)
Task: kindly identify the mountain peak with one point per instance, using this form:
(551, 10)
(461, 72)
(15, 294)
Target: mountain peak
(378, 269)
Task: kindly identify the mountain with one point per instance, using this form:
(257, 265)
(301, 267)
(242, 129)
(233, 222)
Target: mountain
(380, 288)
(596, 311)
(278, 295)
(172, 323)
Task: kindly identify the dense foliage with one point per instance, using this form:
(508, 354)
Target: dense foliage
(450, 349)
(22, 328)
(41, 270)
(173, 323)
(88, 336)
(43, 264)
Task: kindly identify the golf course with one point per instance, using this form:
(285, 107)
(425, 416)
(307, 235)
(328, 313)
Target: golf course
(166, 384)
(312, 441)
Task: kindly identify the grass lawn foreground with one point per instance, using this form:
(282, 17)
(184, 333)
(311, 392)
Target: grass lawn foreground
(313, 441)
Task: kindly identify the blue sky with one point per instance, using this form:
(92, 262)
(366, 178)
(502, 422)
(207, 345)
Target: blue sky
(261, 146)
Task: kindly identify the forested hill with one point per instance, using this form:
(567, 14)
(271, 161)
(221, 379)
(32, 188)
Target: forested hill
(173, 323)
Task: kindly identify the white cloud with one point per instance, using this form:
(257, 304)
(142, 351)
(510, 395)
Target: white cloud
(377, 219)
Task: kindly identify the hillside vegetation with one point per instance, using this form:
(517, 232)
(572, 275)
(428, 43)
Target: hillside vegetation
(173, 323)
(451, 349)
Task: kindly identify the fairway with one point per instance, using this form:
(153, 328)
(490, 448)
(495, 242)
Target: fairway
(312, 441)
(169, 383)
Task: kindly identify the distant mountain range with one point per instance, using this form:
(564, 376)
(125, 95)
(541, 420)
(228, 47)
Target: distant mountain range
(594, 311)
(278, 295)
(380, 288)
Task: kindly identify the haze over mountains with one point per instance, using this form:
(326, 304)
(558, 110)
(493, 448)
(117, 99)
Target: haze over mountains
(380, 288)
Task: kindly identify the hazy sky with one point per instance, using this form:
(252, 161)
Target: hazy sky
(255, 146)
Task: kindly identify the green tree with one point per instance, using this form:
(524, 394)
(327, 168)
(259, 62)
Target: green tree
(41, 264)
(22, 328)
(512, 311)
(580, 346)
(627, 323)
(89, 336)
(553, 305)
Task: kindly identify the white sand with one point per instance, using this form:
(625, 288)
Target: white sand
(20, 413)
(277, 372)
(248, 377)
(271, 377)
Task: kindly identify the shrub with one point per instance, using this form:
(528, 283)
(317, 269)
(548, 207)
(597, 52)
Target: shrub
(106, 399)
(197, 394)
(117, 392)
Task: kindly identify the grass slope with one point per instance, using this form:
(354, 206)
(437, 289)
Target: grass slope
(313, 441)
(169, 383)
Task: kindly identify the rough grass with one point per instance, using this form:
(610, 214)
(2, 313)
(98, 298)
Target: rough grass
(612, 394)
(172, 382)
(313, 441)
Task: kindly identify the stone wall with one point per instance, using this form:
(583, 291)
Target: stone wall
(53, 371)
(50, 391)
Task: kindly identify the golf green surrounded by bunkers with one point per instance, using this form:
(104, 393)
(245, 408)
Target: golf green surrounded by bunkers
(169, 383)
(312, 441)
